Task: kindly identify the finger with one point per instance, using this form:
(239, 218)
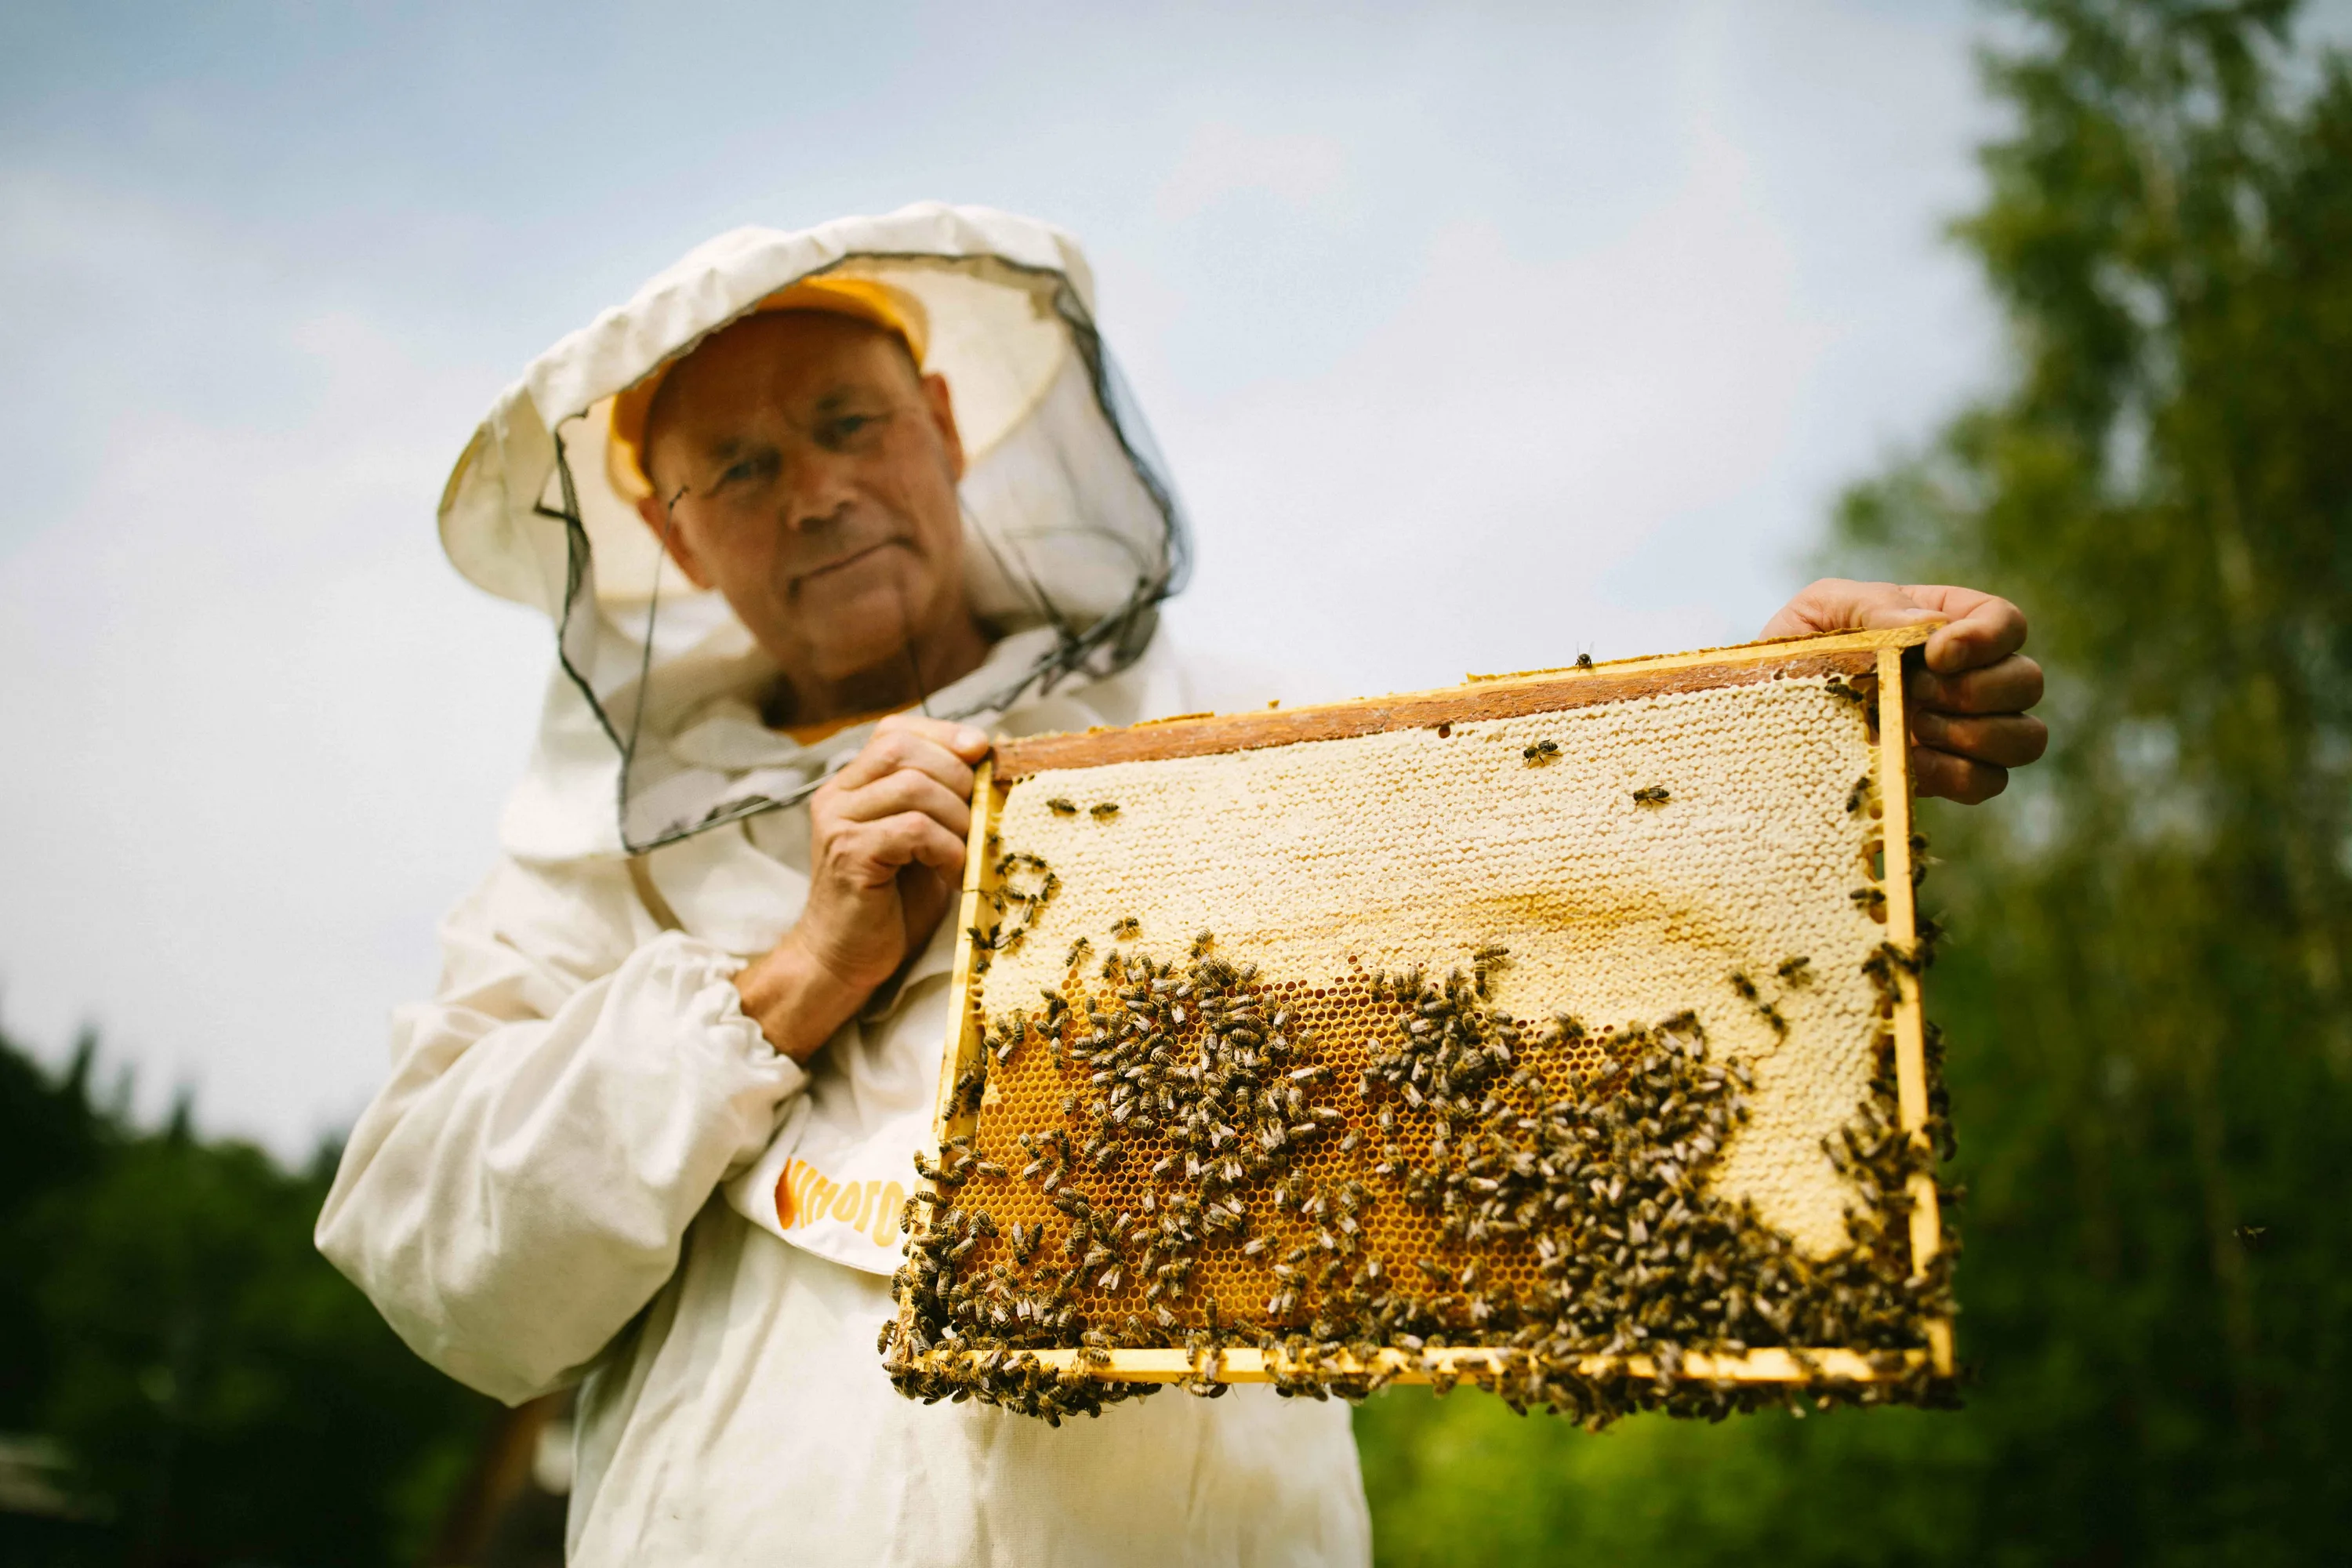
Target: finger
(2005, 740)
(963, 739)
(924, 895)
(927, 843)
(898, 750)
(873, 853)
(1947, 777)
(2011, 686)
(1980, 628)
(905, 790)
(1842, 605)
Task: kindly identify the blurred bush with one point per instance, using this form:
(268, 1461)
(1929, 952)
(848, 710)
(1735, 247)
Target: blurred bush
(2145, 986)
(217, 1392)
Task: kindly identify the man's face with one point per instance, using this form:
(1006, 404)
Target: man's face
(816, 474)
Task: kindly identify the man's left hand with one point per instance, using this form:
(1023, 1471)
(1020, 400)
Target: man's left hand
(1968, 720)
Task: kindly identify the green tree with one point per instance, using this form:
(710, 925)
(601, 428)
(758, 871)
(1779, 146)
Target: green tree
(2147, 988)
(51, 1138)
(223, 1394)
(2152, 990)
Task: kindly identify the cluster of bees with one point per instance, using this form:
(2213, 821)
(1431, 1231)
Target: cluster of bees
(1016, 906)
(1220, 1171)
(1794, 974)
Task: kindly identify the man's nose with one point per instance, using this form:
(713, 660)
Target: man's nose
(819, 496)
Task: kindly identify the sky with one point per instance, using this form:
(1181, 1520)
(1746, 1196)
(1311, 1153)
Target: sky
(1474, 338)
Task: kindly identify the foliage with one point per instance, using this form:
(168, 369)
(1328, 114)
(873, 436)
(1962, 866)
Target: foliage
(224, 1395)
(2147, 991)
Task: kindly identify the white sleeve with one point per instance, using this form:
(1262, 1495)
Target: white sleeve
(556, 1117)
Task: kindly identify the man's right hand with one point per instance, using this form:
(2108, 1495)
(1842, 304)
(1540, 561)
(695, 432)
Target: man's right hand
(885, 853)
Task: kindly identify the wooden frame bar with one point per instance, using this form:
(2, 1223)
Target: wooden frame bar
(964, 1023)
(1237, 1364)
(1910, 1013)
(1483, 697)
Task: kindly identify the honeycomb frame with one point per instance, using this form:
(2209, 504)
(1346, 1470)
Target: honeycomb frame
(1871, 662)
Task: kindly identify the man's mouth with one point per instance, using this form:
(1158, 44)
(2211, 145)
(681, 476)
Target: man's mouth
(817, 575)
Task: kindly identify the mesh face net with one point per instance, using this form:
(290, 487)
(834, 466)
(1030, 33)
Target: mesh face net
(1072, 537)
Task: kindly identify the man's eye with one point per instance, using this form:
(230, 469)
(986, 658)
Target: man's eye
(846, 427)
(745, 470)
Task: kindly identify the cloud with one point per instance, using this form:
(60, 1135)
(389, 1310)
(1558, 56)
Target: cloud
(1223, 160)
(257, 732)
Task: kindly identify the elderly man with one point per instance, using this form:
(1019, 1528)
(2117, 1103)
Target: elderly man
(651, 1134)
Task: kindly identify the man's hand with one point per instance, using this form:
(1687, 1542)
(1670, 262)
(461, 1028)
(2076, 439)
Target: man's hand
(1969, 723)
(886, 854)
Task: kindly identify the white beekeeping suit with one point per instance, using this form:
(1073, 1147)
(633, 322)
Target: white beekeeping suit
(590, 1165)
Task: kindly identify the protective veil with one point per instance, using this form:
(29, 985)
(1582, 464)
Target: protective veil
(1073, 535)
(589, 1166)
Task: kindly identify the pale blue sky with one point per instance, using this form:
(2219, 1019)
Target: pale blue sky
(1475, 337)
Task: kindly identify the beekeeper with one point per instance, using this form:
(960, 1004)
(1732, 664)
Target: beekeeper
(813, 513)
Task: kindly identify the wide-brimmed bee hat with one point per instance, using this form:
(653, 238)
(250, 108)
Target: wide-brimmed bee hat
(1073, 533)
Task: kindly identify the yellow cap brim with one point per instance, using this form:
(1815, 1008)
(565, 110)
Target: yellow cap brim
(860, 298)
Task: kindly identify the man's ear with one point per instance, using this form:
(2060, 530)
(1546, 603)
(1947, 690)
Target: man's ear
(943, 408)
(665, 528)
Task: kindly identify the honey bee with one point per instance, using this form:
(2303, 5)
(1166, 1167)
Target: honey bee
(1653, 794)
(1201, 943)
(1796, 971)
(1103, 811)
(1483, 962)
(1584, 661)
(1542, 752)
(1125, 927)
(1061, 807)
